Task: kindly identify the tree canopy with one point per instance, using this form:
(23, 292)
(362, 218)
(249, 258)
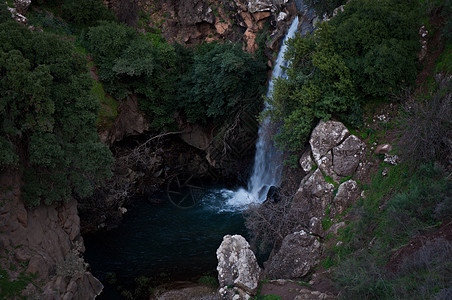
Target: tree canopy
(48, 117)
(367, 51)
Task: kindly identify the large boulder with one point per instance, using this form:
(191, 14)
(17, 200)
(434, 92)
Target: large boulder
(314, 194)
(346, 194)
(237, 265)
(347, 156)
(299, 252)
(326, 136)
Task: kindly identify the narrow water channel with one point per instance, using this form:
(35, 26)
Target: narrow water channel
(164, 242)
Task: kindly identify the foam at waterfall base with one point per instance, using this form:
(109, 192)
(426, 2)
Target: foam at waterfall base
(228, 201)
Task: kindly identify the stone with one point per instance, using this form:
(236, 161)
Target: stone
(314, 194)
(347, 155)
(315, 227)
(130, 121)
(347, 193)
(306, 162)
(261, 15)
(334, 228)
(383, 149)
(196, 136)
(22, 6)
(391, 159)
(326, 136)
(325, 163)
(50, 234)
(281, 16)
(237, 264)
(298, 254)
(259, 5)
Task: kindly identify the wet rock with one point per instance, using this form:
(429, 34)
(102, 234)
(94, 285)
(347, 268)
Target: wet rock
(347, 193)
(299, 252)
(347, 156)
(237, 264)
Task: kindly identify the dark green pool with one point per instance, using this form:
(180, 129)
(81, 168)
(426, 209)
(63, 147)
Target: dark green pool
(163, 241)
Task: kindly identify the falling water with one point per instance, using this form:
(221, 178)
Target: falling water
(267, 162)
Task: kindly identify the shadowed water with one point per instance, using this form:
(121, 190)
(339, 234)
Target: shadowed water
(165, 242)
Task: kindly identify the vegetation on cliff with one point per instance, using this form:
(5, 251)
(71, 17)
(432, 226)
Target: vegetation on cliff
(368, 51)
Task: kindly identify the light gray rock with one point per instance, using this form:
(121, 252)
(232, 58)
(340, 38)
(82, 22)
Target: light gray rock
(347, 193)
(325, 164)
(259, 5)
(391, 159)
(315, 227)
(299, 252)
(326, 136)
(237, 264)
(347, 155)
(314, 194)
(22, 6)
(306, 162)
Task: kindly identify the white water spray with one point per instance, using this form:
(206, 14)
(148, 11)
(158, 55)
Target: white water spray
(267, 161)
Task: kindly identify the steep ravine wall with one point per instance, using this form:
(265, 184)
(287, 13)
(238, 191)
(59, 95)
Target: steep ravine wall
(44, 241)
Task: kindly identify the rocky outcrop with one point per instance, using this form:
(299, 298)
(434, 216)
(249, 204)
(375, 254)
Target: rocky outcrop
(347, 156)
(237, 266)
(299, 253)
(130, 121)
(45, 241)
(338, 155)
(19, 10)
(22, 6)
(346, 194)
(326, 136)
(314, 194)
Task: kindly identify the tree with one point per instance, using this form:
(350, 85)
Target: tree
(367, 51)
(223, 79)
(48, 115)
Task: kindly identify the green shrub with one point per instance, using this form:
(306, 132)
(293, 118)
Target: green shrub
(47, 109)
(223, 80)
(367, 51)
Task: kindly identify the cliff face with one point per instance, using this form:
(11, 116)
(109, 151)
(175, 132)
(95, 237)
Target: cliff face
(192, 22)
(44, 241)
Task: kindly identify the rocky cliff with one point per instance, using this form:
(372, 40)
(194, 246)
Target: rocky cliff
(331, 163)
(40, 248)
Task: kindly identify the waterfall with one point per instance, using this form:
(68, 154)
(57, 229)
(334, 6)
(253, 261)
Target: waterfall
(267, 161)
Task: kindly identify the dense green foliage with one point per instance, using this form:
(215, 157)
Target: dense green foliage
(210, 83)
(48, 117)
(86, 13)
(223, 78)
(367, 51)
